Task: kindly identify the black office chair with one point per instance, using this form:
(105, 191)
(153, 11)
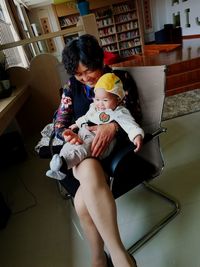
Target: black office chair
(148, 164)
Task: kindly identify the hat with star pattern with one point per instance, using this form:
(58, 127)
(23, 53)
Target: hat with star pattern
(112, 84)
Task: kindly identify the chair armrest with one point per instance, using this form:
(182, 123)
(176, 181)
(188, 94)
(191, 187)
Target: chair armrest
(149, 136)
(118, 155)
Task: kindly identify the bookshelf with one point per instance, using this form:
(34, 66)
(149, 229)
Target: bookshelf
(67, 22)
(119, 28)
(67, 17)
(106, 28)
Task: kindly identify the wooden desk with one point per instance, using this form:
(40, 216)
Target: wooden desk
(11, 105)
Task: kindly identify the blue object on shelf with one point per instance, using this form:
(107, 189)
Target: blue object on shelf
(83, 8)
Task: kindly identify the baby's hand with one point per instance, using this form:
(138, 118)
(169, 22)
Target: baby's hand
(73, 126)
(138, 140)
(72, 137)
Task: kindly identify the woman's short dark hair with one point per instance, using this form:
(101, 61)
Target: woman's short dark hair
(86, 50)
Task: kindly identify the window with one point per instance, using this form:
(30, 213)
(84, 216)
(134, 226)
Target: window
(14, 56)
(1, 14)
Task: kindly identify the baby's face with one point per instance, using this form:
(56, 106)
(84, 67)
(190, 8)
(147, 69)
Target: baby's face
(104, 100)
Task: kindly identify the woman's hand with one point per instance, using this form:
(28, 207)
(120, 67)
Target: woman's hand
(72, 137)
(104, 134)
(138, 140)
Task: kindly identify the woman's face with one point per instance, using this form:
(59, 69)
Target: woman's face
(87, 76)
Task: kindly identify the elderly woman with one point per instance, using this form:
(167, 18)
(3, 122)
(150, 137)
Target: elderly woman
(94, 202)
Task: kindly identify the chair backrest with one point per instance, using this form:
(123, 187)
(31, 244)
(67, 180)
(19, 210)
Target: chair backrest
(43, 80)
(150, 82)
(44, 85)
(64, 76)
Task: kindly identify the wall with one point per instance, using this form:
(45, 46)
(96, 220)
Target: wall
(194, 6)
(159, 18)
(159, 13)
(162, 13)
(46, 11)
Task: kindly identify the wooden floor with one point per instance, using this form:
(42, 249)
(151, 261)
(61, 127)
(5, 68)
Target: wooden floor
(183, 65)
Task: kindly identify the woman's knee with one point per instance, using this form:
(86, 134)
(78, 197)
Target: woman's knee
(89, 169)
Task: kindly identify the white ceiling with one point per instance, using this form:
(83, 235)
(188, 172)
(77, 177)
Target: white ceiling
(32, 3)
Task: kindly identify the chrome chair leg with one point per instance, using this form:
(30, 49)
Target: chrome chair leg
(157, 227)
(165, 220)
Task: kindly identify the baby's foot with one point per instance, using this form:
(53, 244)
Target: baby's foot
(56, 163)
(56, 175)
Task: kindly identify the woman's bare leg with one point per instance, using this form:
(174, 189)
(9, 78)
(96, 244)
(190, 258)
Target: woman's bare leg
(102, 208)
(96, 243)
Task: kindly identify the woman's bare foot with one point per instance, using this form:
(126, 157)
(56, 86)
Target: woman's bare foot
(103, 262)
(125, 260)
(133, 260)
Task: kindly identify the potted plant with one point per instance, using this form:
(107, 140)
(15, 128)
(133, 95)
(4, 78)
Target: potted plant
(83, 7)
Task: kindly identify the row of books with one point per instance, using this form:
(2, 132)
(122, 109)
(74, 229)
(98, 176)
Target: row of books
(103, 13)
(121, 8)
(125, 17)
(130, 52)
(68, 21)
(107, 31)
(128, 40)
(104, 22)
(111, 48)
(130, 44)
(131, 26)
(128, 35)
(109, 12)
(127, 26)
(108, 40)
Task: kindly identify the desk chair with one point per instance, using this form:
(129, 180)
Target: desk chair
(150, 81)
(148, 163)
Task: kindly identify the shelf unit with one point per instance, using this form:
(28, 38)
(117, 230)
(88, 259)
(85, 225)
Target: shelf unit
(106, 28)
(118, 25)
(119, 28)
(67, 17)
(68, 22)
